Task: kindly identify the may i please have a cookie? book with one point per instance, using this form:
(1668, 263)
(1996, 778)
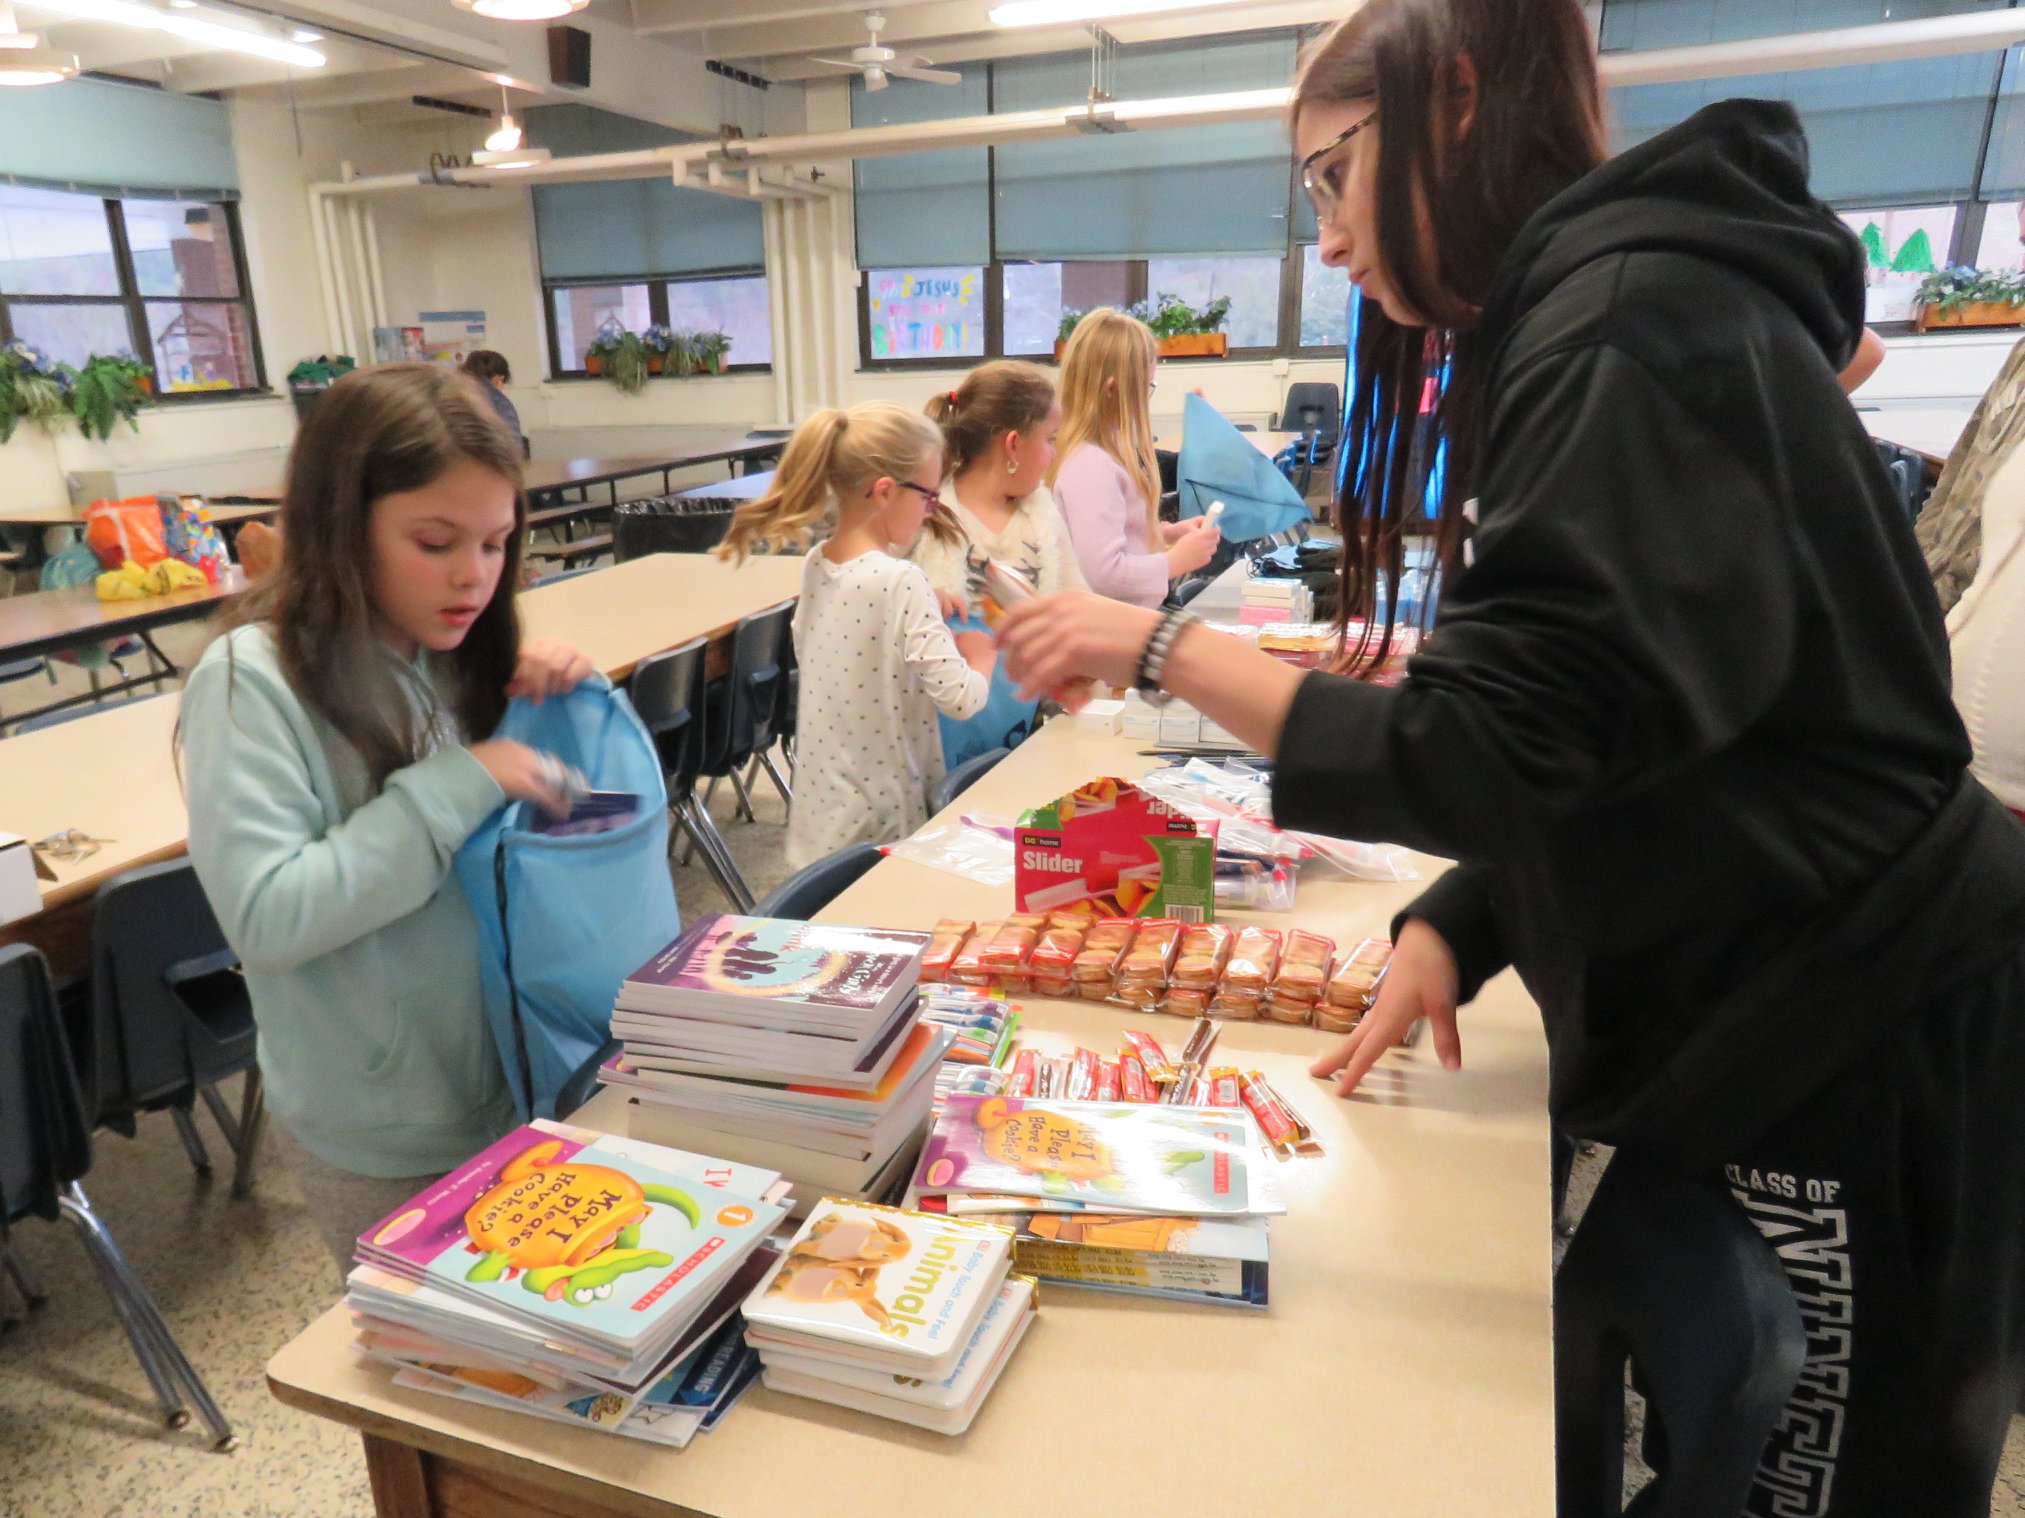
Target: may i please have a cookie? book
(878, 1288)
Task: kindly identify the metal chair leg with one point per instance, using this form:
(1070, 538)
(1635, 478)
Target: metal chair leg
(744, 808)
(77, 1208)
(193, 1141)
(98, 1246)
(780, 782)
(242, 1132)
(717, 857)
(26, 1281)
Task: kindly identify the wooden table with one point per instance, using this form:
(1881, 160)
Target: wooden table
(45, 622)
(1271, 444)
(1932, 434)
(113, 774)
(1404, 1368)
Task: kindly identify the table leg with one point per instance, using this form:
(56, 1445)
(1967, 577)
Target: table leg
(399, 1481)
(410, 1484)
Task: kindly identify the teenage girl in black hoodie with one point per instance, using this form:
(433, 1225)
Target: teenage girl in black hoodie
(1684, 715)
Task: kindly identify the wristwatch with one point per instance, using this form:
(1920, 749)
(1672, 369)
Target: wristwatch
(1153, 661)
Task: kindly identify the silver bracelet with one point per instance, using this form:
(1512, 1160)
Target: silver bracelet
(1153, 662)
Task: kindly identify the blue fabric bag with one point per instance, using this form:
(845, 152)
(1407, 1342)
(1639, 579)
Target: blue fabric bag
(1004, 723)
(1219, 463)
(562, 920)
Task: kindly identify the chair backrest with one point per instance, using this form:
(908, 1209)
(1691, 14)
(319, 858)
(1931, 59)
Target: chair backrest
(36, 723)
(148, 1049)
(45, 1141)
(667, 692)
(808, 891)
(963, 777)
(758, 682)
(1316, 407)
(787, 722)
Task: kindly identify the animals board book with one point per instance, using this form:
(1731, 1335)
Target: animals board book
(1119, 851)
(583, 1237)
(779, 973)
(1111, 1156)
(902, 1289)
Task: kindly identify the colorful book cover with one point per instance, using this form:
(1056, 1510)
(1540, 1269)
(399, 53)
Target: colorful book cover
(583, 1236)
(922, 1050)
(1115, 1156)
(1118, 851)
(771, 960)
(901, 1283)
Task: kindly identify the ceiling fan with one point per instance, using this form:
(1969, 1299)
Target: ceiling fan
(876, 61)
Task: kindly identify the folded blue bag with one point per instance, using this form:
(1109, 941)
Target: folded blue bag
(1004, 723)
(1219, 463)
(563, 919)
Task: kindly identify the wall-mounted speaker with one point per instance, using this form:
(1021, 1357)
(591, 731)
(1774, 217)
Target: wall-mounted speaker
(569, 57)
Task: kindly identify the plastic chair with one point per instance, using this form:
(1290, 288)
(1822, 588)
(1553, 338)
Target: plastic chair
(667, 691)
(1315, 410)
(1667, 1272)
(809, 890)
(741, 711)
(171, 1015)
(962, 778)
(45, 1151)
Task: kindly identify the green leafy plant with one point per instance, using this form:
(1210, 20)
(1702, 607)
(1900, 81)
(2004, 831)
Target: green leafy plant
(1959, 285)
(622, 359)
(708, 350)
(1167, 314)
(107, 391)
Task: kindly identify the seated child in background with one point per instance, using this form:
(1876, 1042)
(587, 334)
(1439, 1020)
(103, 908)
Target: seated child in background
(877, 662)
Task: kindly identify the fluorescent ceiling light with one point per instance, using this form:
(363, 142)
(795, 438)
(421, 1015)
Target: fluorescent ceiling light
(197, 29)
(516, 158)
(1069, 12)
(522, 10)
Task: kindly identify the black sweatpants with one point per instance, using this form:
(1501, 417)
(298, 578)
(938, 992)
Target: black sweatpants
(1896, 1201)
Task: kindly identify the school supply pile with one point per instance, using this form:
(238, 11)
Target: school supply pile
(900, 1314)
(797, 1046)
(982, 1024)
(574, 1276)
(1162, 1192)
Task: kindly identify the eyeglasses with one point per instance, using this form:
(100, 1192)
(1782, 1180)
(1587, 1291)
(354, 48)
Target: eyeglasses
(923, 491)
(1325, 185)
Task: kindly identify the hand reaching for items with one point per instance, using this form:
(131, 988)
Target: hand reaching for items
(547, 667)
(1051, 640)
(1420, 982)
(527, 774)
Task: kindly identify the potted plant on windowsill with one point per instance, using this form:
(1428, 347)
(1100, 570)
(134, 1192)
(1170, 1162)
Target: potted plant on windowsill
(107, 391)
(620, 356)
(660, 343)
(1964, 297)
(708, 349)
(1183, 331)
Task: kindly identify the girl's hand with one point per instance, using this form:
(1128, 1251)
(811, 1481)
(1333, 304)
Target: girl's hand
(1051, 640)
(979, 650)
(1195, 546)
(952, 607)
(1420, 982)
(1173, 532)
(525, 774)
(547, 667)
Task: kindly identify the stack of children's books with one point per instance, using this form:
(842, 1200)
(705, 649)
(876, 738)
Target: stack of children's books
(1158, 1200)
(901, 1314)
(575, 1276)
(793, 1045)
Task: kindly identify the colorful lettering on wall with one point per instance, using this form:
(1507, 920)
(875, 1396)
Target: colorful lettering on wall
(925, 312)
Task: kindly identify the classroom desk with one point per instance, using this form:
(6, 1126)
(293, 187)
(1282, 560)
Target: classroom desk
(1932, 434)
(113, 774)
(72, 516)
(51, 621)
(1404, 1368)
(1271, 444)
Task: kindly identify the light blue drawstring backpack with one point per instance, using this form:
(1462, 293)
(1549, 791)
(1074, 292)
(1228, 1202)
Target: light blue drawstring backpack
(1005, 721)
(562, 920)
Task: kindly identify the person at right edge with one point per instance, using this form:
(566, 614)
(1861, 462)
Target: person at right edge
(1683, 715)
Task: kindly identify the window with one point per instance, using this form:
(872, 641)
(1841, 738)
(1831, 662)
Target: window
(738, 307)
(80, 275)
(1325, 301)
(1251, 283)
(924, 313)
(735, 304)
(1902, 248)
(2003, 243)
(1036, 296)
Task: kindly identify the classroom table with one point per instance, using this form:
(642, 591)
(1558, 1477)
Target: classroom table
(73, 516)
(1271, 444)
(1931, 433)
(44, 622)
(1404, 1367)
(112, 774)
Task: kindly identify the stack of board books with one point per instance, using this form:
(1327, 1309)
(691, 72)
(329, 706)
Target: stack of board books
(575, 1276)
(900, 1314)
(1162, 1201)
(791, 1045)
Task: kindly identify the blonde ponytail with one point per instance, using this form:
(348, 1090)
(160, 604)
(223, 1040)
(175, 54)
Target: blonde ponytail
(834, 455)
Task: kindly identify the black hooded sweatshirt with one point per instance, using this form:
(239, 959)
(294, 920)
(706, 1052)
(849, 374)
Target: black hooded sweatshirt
(1685, 717)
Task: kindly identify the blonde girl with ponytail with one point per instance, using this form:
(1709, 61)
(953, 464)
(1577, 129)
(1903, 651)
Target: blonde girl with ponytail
(998, 443)
(1104, 476)
(877, 662)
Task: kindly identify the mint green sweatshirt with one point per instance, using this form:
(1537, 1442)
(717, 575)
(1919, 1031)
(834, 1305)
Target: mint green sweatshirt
(360, 949)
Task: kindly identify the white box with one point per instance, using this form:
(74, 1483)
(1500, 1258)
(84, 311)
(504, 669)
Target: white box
(1101, 717)
(1138, 721)
(1180, 725)
(1214, 736)
(20, 896)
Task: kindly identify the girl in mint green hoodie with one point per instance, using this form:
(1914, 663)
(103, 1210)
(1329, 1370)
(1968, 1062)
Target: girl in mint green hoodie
(335, 754)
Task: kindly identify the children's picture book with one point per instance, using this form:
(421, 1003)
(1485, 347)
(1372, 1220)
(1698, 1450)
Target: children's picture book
(805, 972)
(1115, 1156)
(902, 1288)
(583, 1237)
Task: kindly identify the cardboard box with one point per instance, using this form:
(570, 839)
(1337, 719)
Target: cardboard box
(1101, 718)
(1116, 850)
(1180, 725)
(1139, 722)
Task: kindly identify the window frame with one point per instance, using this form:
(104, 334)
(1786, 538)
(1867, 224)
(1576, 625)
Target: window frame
(657, 312)
(134, 304)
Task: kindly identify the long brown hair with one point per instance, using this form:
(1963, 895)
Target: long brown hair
(375, 433)
(1107, 385)
(1450, 205)
(1002, 396)
(833, 455)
